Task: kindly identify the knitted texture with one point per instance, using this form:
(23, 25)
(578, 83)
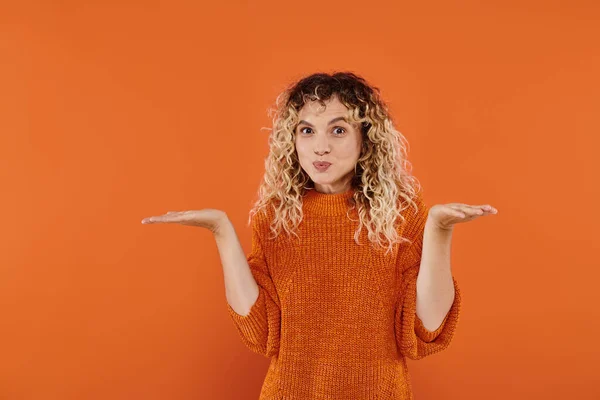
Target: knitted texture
(338, 319)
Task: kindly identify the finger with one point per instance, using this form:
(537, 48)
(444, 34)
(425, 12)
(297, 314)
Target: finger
(175, 217)
(152, 220)
(165, 218)
(463, 208)
(486, 208)
(457, 212)
(475, 210)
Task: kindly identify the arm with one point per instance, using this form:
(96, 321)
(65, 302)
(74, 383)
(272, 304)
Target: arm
(241, 289)
(417, 338)
(435, 286)
(252, 300)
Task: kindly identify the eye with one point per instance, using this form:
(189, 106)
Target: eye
(339, 131)
(337, 127)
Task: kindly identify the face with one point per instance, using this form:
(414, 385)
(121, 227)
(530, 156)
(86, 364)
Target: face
(324, 135)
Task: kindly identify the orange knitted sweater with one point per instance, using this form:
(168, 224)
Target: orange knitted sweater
(338, 319)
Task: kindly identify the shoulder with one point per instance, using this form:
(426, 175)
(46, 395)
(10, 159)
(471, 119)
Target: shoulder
(261, 219)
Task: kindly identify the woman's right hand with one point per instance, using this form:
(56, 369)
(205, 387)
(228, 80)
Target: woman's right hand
(209, 218)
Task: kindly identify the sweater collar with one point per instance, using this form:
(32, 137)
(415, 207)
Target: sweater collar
(327, 204)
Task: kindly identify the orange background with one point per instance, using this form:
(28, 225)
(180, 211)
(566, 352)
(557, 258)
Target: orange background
(115, 111)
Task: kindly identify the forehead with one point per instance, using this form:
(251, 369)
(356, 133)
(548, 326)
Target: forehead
(315, 109)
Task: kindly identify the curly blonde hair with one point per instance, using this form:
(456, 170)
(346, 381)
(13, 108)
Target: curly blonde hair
(381, 173)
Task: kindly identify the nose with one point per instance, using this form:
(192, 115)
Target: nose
(322, 146)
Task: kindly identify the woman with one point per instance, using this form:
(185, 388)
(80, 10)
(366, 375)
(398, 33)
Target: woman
(349, 272)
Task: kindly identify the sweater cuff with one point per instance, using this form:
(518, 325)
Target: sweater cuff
(429, 336)
(426, 335)
(254, 325)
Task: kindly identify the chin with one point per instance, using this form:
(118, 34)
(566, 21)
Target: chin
(323, 180)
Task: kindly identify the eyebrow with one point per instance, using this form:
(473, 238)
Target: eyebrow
(330, 122)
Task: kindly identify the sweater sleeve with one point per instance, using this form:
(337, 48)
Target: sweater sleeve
(413, 339)
(260, 328)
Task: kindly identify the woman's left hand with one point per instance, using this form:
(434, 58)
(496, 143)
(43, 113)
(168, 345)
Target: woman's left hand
(444, 216)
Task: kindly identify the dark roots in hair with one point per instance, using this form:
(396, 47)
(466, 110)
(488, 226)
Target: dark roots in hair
(352, 90)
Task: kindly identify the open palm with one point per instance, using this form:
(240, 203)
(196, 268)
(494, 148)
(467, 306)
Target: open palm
(206, 218)
(445, 216)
